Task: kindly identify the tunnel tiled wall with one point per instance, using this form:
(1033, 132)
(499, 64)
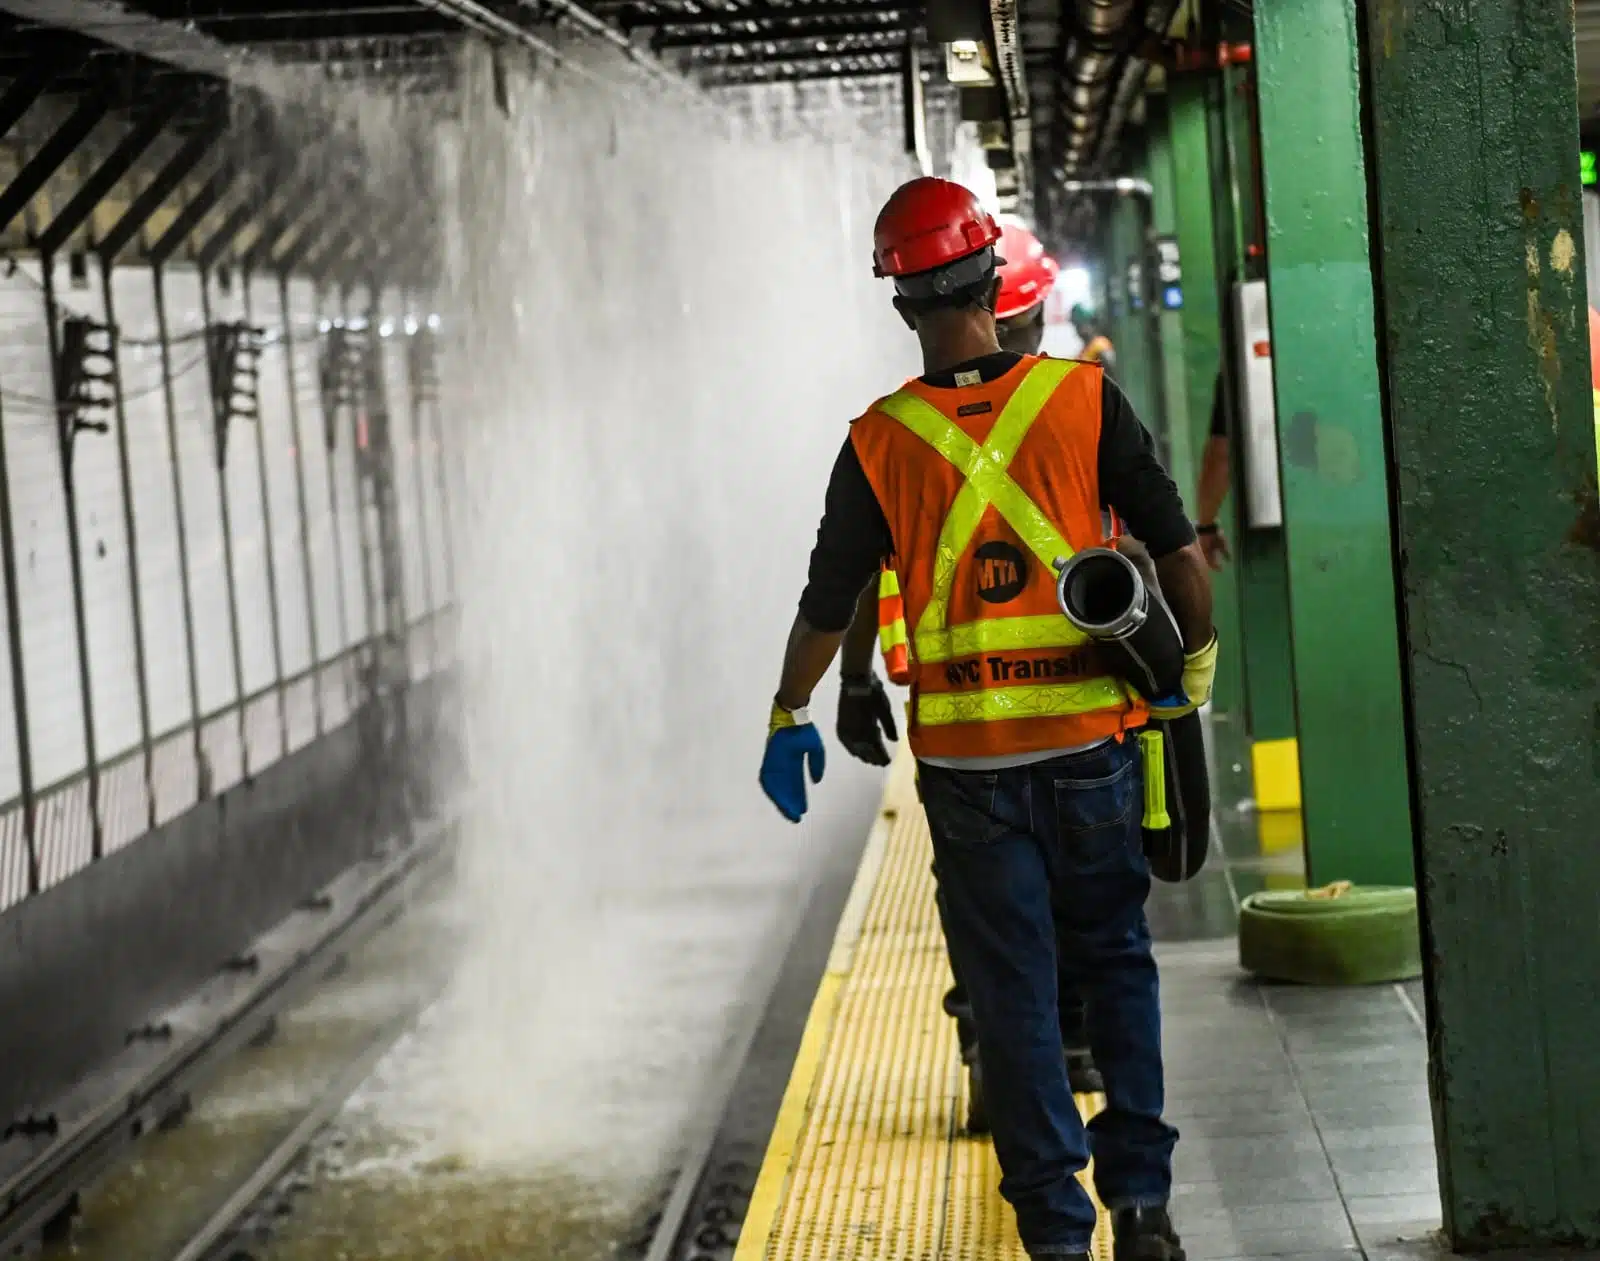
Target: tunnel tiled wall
(228, 574)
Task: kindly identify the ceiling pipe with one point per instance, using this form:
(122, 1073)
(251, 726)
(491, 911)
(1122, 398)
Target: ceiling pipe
(603, 30)
(1104, 18)
(1157, 17)
(1105, 33)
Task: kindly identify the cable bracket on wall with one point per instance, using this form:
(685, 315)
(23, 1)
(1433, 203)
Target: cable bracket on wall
(234, 354)
(341, 369)
(422, 363)
(85, 378)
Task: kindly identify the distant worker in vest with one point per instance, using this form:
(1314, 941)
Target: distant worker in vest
(975, 478)
(1097, 347)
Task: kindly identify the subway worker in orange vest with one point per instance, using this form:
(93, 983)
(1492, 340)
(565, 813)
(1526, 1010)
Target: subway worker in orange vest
(975, 477)
(1027, 275)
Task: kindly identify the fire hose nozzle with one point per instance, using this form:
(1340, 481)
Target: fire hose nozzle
(1102, 593)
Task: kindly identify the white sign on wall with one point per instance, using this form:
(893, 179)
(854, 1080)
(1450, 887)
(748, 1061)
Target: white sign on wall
(1258, 411)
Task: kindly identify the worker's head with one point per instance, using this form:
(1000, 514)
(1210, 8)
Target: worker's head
(937, 242)
(1026, 278)
(1084, 322)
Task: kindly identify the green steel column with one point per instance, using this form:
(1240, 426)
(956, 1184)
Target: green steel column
(1354, 792)
(1188, 128)
(1259, 565)
(1132, 370)
(1478, 232)
(1174, 366)
(1146, 326)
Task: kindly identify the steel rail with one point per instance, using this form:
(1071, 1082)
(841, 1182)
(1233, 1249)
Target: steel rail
(223, 1225)
(218, 1238)
(87, 1145)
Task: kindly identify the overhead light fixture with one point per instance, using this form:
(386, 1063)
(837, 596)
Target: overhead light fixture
(966, 62)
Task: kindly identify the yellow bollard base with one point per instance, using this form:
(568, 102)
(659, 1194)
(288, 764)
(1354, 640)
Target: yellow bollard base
(1275, 765)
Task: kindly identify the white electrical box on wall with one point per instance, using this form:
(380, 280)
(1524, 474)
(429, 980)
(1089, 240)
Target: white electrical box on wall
(1258, 411)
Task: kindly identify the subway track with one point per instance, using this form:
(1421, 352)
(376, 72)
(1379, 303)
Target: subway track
(121, 1164)
(296, 1202)
(266, 1148)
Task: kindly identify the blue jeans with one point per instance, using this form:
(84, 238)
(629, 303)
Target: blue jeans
(1030, 860)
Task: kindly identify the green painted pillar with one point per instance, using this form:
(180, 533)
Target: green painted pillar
(1133, 366)
(1259, 565)
(1180, 456)
(1349, 717)
(1189, 132)
(1473, 130)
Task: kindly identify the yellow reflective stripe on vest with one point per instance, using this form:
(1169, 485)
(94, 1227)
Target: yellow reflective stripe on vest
(986, 480)
(1048, 700)
(997, 634)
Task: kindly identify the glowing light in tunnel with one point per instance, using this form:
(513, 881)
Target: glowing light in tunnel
(1073, 286)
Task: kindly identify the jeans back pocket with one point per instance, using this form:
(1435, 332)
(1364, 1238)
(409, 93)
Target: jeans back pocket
(1097, 811)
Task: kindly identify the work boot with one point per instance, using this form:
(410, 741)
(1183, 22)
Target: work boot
(1145, 1234)
(1082, 1075)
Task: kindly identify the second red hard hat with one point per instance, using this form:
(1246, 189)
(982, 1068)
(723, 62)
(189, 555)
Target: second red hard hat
(929, 223)
(1027, 275)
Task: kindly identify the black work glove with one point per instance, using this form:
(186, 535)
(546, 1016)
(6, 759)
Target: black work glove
(864, 707)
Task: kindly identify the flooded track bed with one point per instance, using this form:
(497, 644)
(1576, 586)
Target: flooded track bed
(604, 1080)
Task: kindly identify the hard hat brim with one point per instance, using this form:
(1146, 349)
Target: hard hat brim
(941, 282)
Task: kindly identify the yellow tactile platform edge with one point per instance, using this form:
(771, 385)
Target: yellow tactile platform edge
(867, 1160)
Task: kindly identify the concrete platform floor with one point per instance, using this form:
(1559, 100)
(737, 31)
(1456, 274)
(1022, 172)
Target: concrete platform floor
(1303, 1111)
(1303, 1114)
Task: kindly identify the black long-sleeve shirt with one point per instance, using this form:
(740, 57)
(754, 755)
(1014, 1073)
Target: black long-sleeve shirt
(854, 539)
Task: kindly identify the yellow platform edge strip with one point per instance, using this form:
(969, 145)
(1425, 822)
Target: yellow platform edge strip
(895, 1185)
(767, 1196)
(1275, 765)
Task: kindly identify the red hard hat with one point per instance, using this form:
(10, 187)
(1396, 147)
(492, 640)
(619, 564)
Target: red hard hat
(929, 223)
(1027, 275)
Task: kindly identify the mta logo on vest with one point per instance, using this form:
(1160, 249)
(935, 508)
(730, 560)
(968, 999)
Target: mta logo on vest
(1002, 572)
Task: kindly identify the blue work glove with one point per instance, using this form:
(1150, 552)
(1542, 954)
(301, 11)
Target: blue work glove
(791, 740)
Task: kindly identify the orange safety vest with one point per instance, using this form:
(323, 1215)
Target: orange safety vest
(892, 638)
(984, 487)
(1096, 349)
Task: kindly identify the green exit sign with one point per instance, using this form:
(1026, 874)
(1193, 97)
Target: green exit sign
(1586, 161)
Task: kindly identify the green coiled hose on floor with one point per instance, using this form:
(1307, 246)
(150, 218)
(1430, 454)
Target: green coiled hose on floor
(1339, 935)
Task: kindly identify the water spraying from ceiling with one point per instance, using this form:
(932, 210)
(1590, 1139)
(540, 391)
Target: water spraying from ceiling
(658, 320)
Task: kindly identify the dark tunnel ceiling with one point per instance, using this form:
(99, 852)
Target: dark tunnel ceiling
(1080, 59)
(722, 45)
(714, 42)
